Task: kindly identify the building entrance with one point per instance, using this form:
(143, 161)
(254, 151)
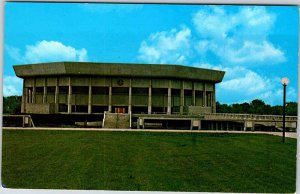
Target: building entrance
(120, 110)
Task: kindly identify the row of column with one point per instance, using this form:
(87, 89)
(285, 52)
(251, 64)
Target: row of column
(29, 96)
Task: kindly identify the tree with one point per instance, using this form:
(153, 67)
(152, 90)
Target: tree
(277, 110)
(237, 108)
(223, 108)
(291, 108)
(257, 106)
(12, 105)
(245, 107)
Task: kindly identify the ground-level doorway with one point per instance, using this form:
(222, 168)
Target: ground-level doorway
(120, 109)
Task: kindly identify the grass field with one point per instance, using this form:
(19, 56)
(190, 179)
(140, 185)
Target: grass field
(148, 161)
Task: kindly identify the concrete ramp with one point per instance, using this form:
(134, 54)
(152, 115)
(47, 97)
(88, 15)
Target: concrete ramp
(116, 120)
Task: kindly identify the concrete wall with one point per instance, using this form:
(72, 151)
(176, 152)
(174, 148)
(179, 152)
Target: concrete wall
(81, 94)
(40, 108)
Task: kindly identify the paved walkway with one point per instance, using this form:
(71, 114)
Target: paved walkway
(287, 134)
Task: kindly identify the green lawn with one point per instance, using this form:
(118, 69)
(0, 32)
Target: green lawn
(148, 161)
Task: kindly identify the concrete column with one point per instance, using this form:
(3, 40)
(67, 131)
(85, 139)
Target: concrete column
(182, 97)
(204, 95)
(29, 96)
(227, 126)
(253, 126)
(193, 95)
(138, 123)
(199, 126)
(130, 96)
(23, 98)
(45, 91)
(70, 97)
(56, 95)
(33, 90)
(169, 98)
(150, 98)
(90, 97)
(26, 95)
(109, 97)
(213, 96)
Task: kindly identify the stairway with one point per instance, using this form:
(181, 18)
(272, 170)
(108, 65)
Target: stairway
(116, 120)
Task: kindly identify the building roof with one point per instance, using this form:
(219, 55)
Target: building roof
(118, 69)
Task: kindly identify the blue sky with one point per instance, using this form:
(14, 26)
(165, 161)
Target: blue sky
(255, 45)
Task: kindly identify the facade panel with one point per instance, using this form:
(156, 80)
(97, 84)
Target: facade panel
(51, 81)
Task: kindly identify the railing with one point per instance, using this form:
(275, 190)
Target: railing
(247, 116)
(26, 120)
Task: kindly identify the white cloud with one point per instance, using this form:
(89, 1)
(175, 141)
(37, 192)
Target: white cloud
(237, 38)
(256, 17)
(166, 47)
(249, 83)
(254, 52)
(213, 22)
(47, 51)
(240, 41)
(209, 66)
(233, 38)
(14, 53)
(12, 85)
(108, 8)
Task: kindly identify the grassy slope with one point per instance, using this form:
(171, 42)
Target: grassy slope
(148, 161)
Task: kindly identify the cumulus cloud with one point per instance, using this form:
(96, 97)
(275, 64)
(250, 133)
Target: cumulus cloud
(233, 40)
(237, 38)
(212, 22)
(249, 83)
(12, 86)
(255, 52)
(166, 47)
(47, 51)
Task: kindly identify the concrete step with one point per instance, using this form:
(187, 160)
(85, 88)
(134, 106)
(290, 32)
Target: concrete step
(116, 120)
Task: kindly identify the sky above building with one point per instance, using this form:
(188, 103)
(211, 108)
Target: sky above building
(255, 45)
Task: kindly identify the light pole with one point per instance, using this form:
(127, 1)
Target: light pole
(285, 81)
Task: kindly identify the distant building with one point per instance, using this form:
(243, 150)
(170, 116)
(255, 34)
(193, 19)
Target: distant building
(92, 88)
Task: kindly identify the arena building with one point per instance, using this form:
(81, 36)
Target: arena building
(87, 89)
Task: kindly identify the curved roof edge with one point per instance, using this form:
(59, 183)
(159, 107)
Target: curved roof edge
(118, 69)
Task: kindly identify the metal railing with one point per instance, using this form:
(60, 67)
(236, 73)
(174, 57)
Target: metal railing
(246, 116)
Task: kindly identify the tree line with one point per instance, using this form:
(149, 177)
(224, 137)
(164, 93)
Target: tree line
(257, 107)
(12, 105)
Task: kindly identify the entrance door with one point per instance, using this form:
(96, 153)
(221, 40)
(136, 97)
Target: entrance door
(120, 110)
